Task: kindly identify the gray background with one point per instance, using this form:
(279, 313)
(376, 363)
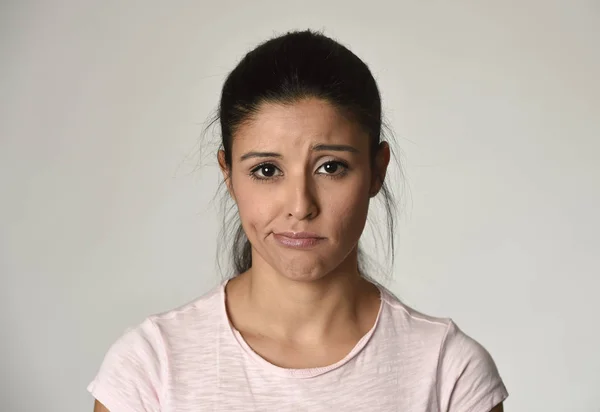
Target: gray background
(105, 217)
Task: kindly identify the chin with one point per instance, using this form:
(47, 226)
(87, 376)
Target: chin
(303, 277)
(301, 270)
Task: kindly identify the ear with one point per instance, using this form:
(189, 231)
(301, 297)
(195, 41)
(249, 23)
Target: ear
(226, 171)
(382, 160)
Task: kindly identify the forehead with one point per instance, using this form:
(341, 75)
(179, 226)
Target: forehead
(298, 125)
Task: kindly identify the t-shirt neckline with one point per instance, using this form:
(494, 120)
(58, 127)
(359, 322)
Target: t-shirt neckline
(289, 372)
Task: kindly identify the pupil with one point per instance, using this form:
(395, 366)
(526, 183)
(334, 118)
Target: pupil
(331, 167)
(268, 171)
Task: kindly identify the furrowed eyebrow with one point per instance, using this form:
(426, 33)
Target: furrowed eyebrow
(316, 148)
(251, 155)
(334, 147)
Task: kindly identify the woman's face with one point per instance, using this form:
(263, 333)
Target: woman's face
(302, 179)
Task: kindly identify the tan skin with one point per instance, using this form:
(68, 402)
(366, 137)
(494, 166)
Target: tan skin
(98, 407)
(302, 167)
(302, 308)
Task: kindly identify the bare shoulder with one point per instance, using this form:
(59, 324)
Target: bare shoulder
(98, 407)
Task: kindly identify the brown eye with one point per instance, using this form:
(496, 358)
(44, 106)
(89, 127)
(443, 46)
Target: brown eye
(333, 168)
(265, 171)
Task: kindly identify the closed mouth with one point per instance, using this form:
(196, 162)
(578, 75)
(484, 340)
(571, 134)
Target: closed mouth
(299, 235)
(298, 240)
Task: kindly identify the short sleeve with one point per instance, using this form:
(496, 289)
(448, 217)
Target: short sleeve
(130, 378)
(468, 379)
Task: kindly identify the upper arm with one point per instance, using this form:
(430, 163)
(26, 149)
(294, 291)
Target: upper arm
(98, 407)
(498, 408)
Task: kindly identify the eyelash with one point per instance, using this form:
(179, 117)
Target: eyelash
(254, 176)
(254, 170)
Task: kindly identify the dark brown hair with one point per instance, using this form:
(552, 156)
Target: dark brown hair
(286, 69)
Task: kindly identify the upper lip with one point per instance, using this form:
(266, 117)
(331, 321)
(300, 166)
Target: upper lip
(300, 235)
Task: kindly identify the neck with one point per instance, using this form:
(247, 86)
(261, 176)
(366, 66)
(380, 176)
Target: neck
(332, 307)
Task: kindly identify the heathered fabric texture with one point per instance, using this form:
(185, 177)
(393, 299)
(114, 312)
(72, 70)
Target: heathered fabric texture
(191, 360)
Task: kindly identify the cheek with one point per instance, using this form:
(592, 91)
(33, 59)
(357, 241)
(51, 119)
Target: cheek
(349, 208)
(253, 205)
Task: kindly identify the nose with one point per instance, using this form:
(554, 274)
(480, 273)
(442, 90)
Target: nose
(302, 199)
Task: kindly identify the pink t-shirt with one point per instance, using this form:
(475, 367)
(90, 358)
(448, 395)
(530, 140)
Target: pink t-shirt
(191, 360)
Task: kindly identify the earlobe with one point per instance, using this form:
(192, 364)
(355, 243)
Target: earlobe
(374, 191)
(376, 185)
(382, 159)
(226, 171)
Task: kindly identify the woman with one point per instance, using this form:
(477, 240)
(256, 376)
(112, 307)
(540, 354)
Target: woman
(299, 327)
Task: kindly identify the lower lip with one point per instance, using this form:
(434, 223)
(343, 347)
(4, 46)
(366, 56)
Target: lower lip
(298, 243)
